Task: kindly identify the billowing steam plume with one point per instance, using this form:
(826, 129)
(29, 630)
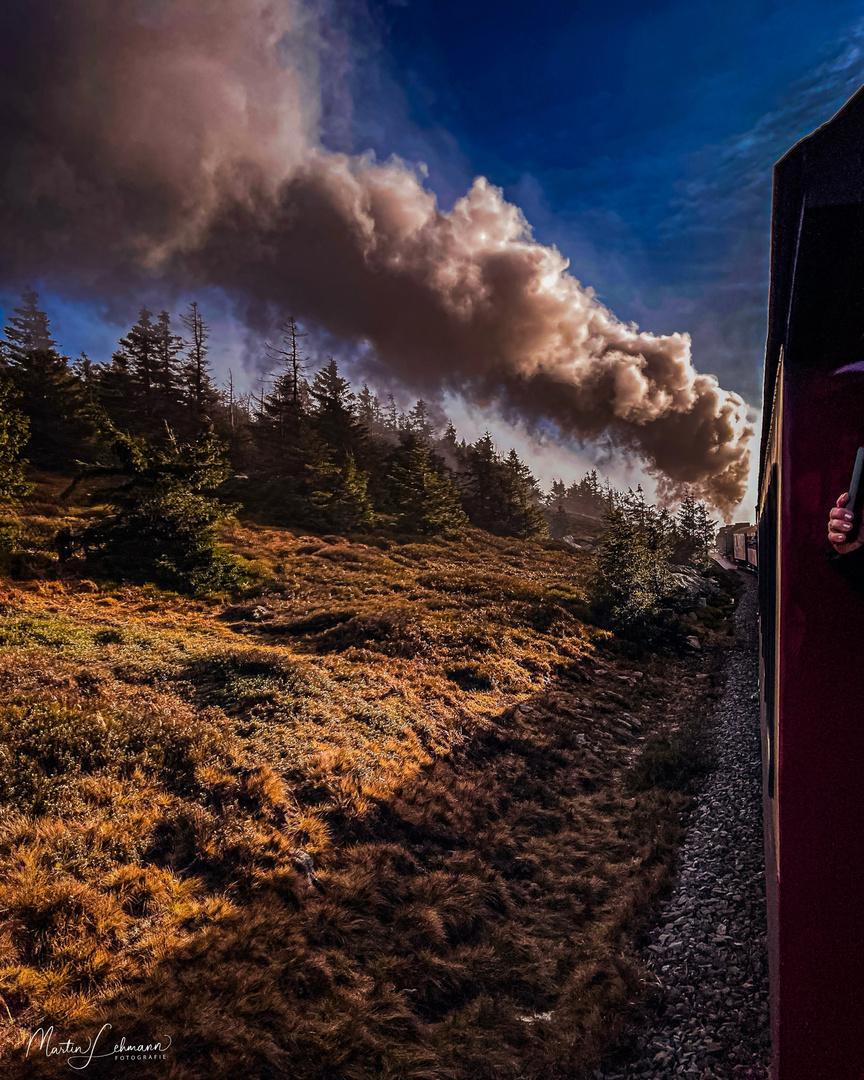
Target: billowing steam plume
(178, 138)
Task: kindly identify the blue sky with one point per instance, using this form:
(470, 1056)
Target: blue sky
(637, 137)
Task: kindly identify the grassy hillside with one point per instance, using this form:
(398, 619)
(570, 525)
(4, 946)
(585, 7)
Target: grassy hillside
(399, 811)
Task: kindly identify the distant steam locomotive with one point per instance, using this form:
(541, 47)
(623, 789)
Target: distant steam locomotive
(739, 543)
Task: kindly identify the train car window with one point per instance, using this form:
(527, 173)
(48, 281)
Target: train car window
(767, 547)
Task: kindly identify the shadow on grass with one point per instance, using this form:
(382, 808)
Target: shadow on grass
(475, 925)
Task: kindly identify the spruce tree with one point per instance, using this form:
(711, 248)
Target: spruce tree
(167, 372)
(705, 532)
(556, 495)
(625, 582)
(137, 354)
(686, 519)
(521, 515)
(369, 410)
(163, 525)
(116, 391)
(50, 393)
(196, 380)
(339, 496)
(285, 445)
(28, 331)
(334, 416)
(284, 410)
(391, 414)
(634, 571)
(482, 493)
(290, 364)
(501, 496)
(695, 531)
(14, 433)
(450, 438)
(421, 494)
(420, 422)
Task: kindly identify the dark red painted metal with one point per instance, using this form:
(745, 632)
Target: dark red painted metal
(816, 324)
(819, 896)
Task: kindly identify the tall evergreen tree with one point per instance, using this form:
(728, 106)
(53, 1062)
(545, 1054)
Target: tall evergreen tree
(196, 379)
(420, 422)
(50, 393)
(521, 511)
(624, 578)
(116, 391)
(421, 494)
(167, 372)
(500, 496)
(450, 438)
(290, 364)
(369, 410)
(633, 566)
(334, 417)
(481, 489)
(285, 443)
(706, 530)
(556, 495)
(339, 496)
(284, 411)
(695, 530)
(391, 414)
(686, 518)
(28, 331)
(138, 354)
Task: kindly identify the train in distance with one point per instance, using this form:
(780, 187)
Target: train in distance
(739, 543)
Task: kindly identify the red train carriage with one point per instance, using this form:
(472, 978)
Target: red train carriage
(811, 620)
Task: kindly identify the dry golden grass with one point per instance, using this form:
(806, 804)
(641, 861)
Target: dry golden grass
(434, 724)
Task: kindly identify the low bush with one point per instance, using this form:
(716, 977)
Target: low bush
(674, 762)
(40, 632)
(164, 526)
(393, 633)
(46, 746)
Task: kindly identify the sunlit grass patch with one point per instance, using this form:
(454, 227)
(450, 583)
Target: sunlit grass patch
(41, 632)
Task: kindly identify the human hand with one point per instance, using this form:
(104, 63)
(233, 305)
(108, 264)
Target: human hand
(839, 528)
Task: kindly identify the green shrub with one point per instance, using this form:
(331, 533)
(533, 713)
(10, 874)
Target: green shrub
(14, 434)
(675, 762)
(234, 679)
(9, 533)
(46, 745)
(41, 632)
(165, 522)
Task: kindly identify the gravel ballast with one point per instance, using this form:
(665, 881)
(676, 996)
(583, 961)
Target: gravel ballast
(708, 1015)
